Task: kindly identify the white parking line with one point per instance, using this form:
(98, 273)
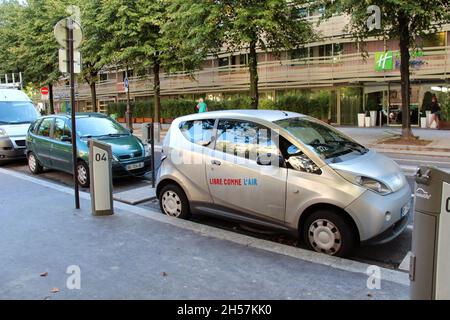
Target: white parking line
(405, 262)
(424, 161)
(294, 252)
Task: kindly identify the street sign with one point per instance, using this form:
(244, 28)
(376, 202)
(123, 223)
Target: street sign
(63, 63)
(44, 91)
(60, 32)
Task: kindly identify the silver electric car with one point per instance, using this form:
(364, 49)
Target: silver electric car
(283, 170)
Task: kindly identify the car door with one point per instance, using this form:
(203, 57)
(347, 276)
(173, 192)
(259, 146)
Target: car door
(42, 142)
(235, 178)
(190, 152)
(61, 151)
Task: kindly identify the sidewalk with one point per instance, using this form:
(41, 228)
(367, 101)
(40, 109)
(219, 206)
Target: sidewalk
(141, 254)
(373, 137)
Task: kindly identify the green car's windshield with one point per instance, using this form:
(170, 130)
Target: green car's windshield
(88, 127)
(17, 112)
(325, 141)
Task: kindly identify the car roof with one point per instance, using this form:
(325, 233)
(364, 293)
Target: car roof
(80, 115)
(267, 115)
(13, 95)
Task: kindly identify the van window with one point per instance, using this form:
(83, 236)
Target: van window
(198, 131)
(19, 112)
(245, 139)
(44, 128)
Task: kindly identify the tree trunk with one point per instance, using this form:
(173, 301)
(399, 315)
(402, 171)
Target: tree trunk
(404, 75)
(253, 68)
(129, 114)
(92, 85)
(157, 91)
(50, 97)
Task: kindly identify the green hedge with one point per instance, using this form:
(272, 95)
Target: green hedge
(314, 104)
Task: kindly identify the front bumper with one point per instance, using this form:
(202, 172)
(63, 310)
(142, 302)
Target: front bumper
(12, 148)
(391, 233)
(370, 212)
(119, 169)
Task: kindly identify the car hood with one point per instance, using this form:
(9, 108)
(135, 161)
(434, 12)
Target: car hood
(376, 166)
(125, 145)
(14, 130)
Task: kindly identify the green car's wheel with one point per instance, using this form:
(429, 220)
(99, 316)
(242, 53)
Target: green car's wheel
(33, 164)
(83, 174)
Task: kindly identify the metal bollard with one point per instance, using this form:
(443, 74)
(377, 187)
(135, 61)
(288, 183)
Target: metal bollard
(430, 260)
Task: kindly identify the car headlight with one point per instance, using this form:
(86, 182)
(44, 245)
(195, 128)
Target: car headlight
(373, 185)
(3, 133)
(366, 182)
(146, 151)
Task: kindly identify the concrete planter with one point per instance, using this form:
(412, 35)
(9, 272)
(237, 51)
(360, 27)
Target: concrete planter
(367, 121)
(373, 118)
(361, 119)
(423, 122)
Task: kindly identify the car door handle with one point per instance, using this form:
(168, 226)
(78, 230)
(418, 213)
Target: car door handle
(216, 162)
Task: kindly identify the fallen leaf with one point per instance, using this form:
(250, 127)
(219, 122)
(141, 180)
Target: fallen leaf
(369, 295)
(164, 274)
(54, 290)
(44, 274)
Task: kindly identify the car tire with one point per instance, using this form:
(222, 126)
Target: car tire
(329, 232)
(83, 174)
(33, 164)
(173, 202)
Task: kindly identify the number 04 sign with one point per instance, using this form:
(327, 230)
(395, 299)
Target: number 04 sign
(100, 170)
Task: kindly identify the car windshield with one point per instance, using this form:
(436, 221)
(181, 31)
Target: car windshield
(17, 112)
(88, 127)
(325, 141)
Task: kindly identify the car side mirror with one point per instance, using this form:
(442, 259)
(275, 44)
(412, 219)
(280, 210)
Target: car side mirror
(130, 130)
(270, 159)
(66, 139)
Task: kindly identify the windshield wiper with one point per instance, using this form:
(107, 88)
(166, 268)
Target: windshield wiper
(114, 135)
(353, 146)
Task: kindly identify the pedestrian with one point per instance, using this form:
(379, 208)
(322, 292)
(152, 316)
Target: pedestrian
(201, 106)
(435, 111)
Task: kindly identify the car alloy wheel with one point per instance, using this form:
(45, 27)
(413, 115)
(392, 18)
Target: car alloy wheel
(32, 162)
(324, 236)
(171, 203)
(82, 175)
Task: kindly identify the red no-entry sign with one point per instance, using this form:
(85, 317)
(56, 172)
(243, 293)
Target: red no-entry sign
(44, 91)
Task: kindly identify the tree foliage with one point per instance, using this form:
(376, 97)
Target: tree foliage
(198, 28)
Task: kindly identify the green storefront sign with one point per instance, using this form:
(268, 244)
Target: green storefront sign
(384, 61)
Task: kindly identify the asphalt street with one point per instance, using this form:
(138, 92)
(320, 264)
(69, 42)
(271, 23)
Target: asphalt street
(389, 255)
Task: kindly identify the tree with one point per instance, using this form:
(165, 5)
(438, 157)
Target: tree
(402, 20)
(94, 35)
(38, 50)
(201, 27)
(134, 31)
(11, 13)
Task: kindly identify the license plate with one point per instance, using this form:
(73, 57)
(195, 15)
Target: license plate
(135, 166)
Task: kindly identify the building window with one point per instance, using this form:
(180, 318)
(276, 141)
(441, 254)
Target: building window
(130, 74)
(103, 76)
(299, 53)
(433, 40)
(224, 62)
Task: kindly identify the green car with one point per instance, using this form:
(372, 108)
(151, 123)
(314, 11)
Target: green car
(49, 145)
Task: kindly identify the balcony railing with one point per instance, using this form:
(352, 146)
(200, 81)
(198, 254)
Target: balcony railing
(282, 74)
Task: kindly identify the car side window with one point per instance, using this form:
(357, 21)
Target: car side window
(60, 129)
(45, 127)
(35, 126)
(198, 131)
(245, 139)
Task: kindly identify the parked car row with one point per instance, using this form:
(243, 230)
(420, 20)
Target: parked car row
(47, 141)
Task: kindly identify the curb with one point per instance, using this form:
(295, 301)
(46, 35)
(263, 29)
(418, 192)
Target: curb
(390, 275)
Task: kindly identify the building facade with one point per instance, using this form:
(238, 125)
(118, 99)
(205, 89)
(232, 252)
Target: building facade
(334, 64)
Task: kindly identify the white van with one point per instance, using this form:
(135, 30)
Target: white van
(16, 114)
